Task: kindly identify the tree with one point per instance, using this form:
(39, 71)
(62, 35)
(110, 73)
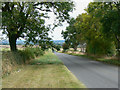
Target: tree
(70, 34)
(82, 25)
(110, 20)
(26, 20)
(65, 46)
(90, 32)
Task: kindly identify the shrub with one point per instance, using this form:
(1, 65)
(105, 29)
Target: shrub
(65, 47)
(58, 47)
(37, 51)
(30, 53)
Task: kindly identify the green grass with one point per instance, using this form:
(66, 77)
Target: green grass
(107, 61)
(48, 58)
(44, 72)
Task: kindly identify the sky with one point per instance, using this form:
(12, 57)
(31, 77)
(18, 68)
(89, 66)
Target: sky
(80, 5)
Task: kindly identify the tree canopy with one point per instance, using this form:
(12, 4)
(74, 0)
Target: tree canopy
(108, 14)
(27, 20)
(98, 28)
(70, 35)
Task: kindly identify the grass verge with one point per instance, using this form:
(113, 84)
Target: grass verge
(107, 61)
(48, 58)
(44, 72)
(14, 60)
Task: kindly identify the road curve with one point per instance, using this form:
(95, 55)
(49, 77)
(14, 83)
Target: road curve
(93, 74)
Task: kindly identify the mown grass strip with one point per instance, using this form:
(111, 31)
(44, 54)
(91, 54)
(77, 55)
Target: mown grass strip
(42, 76)
(44, 72)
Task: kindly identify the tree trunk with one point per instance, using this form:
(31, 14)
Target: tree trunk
(12, 42)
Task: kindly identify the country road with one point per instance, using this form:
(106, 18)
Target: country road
(93, 74)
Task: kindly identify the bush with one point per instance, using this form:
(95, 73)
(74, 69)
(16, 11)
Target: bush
(37, 51)
(65, 47)
(30, 53)
(21, 56)
(58, 47)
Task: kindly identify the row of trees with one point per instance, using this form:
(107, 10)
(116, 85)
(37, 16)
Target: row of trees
(99, 28)
(70, 35)
(27, 20)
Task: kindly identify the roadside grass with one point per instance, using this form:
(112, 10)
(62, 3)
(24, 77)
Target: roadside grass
(12, 61)
(44, 72)
(48, 58)
(102, 59)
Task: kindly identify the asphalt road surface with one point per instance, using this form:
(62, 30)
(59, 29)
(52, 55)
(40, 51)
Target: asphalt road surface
(93, 74)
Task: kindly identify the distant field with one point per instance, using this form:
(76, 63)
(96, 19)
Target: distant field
(8, 46)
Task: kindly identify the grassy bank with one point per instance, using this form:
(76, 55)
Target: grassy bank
(101, 59)
(44, 72)
(12, 61)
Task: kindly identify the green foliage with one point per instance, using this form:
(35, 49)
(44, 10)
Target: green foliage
(37, 51)
(58, 47)
(27, 20)
(27, 54)
(65, 46)
(99, 28)
(108, 14)
(31, 53)
(70, 35)
(100, 47)
(23, 56)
